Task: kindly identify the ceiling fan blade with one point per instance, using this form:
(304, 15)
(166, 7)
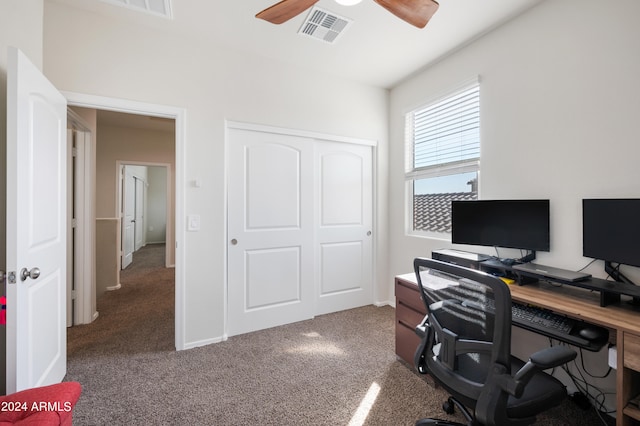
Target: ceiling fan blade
(415, 12)
(285, 10)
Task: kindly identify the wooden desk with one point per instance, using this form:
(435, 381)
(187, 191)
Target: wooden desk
(622, 320)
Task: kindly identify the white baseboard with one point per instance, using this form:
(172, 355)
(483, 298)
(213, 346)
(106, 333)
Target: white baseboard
(205, 342)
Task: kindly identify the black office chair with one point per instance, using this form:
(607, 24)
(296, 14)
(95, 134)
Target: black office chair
(466, 348)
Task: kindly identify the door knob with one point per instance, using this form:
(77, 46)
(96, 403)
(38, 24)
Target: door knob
(234, 241)
(33, 273)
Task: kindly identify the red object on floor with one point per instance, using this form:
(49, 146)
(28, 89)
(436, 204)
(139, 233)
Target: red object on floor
(42, 406)
(3, 310)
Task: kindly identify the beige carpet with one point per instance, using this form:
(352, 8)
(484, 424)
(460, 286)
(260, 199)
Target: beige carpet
(331, 370)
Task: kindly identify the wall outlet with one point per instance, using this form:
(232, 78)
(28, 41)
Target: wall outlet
(613, 357)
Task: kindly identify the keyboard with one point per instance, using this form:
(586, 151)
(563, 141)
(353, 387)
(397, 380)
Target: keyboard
(550, 324)
(527, 314)
(555, 326)
(537, 319)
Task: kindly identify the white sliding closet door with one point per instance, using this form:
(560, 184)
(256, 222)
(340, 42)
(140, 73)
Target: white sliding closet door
(299, 228)
(270, 247)
(344, 247)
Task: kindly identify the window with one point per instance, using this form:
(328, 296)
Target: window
(443, 158)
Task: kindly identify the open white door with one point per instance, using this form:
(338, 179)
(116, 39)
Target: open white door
(128, 216)
(36, 227)
(139, 214)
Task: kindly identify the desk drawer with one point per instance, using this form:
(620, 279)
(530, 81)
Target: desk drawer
(410, 297)
(407, 315)
(632, 351)
(407, 342)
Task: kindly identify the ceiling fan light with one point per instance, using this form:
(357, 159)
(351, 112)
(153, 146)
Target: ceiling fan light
(348, 2)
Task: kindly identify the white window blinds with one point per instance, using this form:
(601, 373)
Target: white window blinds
(444, 137)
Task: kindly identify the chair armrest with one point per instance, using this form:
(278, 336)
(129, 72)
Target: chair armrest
(419, 358)
(552, 357)
(541, 360)
(421, 329)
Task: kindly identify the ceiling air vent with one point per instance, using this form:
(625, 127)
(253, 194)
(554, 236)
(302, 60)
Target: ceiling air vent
(324, 25)
(153, 7)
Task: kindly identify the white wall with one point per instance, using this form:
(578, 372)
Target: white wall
(559, 109)
(131, 145)
(98, 56)
(559, 105)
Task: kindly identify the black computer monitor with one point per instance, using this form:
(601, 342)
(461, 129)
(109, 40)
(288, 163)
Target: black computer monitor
(611, 230)
(520, 224)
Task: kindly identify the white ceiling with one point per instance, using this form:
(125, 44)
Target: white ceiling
(377, 49)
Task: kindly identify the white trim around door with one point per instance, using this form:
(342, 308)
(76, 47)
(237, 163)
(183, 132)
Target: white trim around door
(81, 298)
(179, 115)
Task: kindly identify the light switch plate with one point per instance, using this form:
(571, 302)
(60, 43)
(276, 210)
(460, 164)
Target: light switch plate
(193, 222)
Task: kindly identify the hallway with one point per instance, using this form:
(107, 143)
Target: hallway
(135, 319)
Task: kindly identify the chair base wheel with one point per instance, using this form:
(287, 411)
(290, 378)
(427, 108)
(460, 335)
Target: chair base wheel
(448, 406)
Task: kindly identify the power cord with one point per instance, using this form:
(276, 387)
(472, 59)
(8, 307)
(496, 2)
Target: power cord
(586, 266)
(587, 391)
(588, 372)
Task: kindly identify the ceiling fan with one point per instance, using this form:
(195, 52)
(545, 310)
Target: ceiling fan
(415, 12)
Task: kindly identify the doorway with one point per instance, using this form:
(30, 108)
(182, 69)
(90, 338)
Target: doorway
(145, 200)
(129, 149)
(159, 113)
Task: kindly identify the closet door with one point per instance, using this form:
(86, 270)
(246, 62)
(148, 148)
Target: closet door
(344, 248)
(270, 230)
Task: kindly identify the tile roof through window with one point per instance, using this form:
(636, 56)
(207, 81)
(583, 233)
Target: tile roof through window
(432, 212)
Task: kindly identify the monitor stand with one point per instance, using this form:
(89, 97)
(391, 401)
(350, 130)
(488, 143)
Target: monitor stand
(528, 258)
(620, 277)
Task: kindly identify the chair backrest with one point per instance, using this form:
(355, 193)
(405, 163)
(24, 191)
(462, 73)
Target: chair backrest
(468, 335)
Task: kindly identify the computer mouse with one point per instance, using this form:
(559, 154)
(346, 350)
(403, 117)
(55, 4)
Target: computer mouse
(590, 333)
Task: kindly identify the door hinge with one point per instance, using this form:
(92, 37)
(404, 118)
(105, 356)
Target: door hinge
(74, 223)
(74, 152)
